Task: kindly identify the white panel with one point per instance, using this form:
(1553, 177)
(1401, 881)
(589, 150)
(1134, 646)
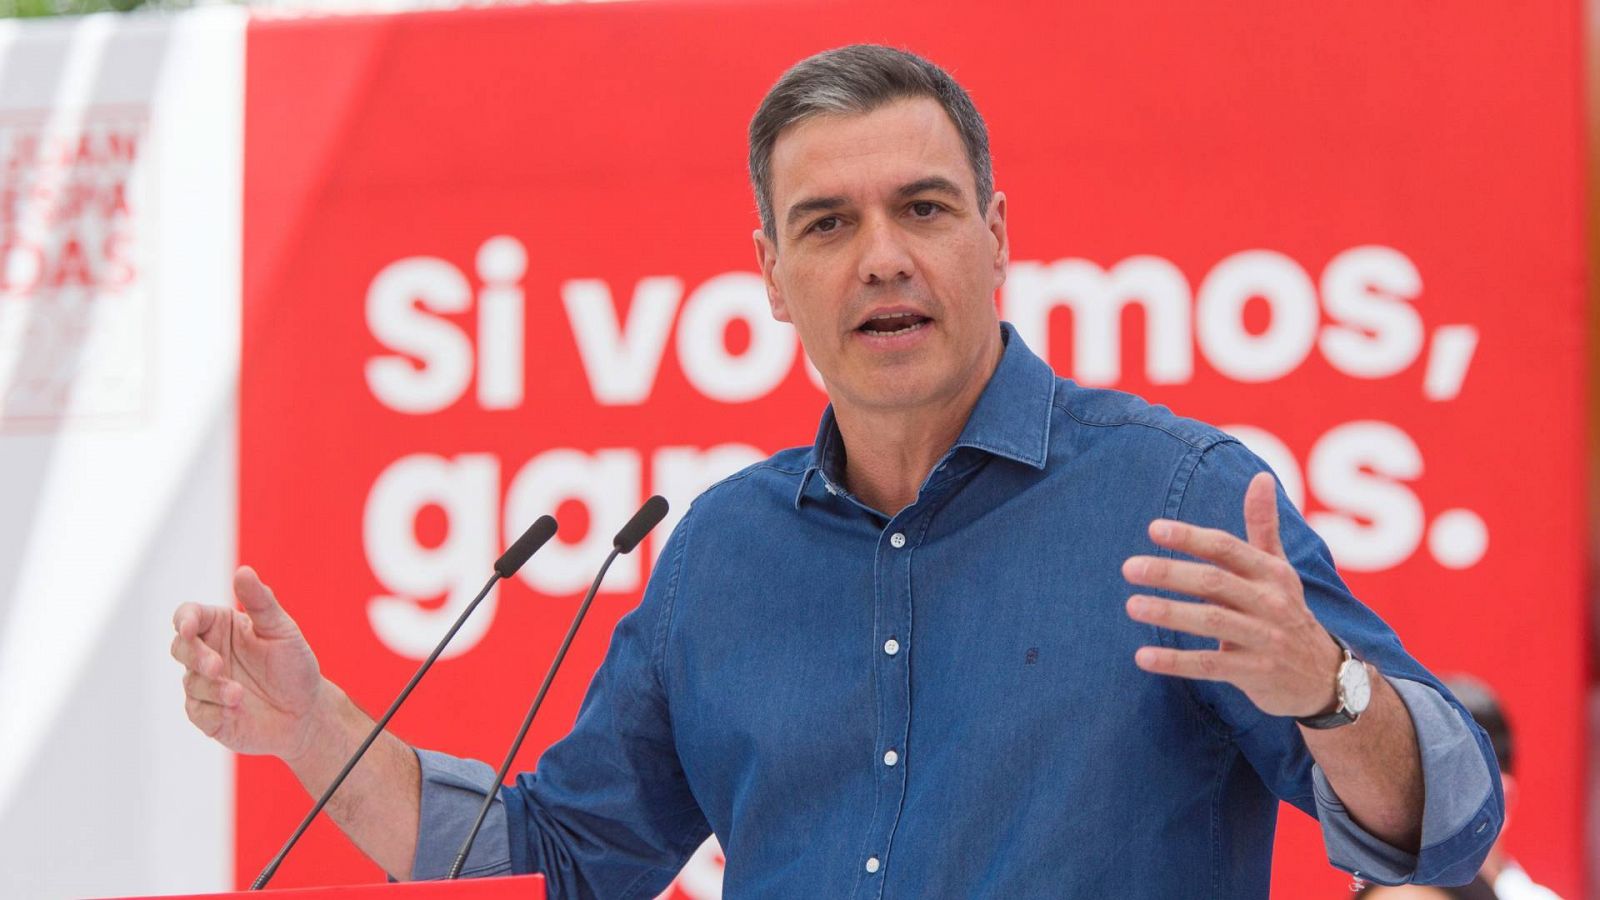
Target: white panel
(118, 386)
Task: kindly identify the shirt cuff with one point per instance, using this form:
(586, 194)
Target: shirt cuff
(1459, 803)
(452, 791)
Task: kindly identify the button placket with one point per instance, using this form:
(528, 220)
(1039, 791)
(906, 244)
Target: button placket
(893, 623)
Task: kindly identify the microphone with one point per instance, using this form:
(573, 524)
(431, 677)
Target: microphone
(648, 517)
(510, 561)
(507, 565)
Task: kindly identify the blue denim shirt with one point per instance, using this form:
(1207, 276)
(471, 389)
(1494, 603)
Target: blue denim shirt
(943, 703)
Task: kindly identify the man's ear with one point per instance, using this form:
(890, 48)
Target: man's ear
(995, 221)
(767, 261)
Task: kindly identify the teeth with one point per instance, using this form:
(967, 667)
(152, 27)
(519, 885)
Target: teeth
(912, 321)
(912, 327)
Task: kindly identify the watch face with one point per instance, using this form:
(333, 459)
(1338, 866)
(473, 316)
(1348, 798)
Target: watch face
(1355, 689)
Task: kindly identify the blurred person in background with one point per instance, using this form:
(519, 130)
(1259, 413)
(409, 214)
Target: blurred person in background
(1500, 878)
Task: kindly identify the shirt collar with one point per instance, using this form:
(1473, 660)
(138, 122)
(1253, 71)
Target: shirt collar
(1011, 418)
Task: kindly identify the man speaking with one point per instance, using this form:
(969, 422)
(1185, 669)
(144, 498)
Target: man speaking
(991, 635)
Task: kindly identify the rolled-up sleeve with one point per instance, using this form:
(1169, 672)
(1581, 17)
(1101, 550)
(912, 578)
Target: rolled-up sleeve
(452, 792)
(1463, 802)
(1461, 810)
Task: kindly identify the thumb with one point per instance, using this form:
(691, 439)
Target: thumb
(1261, 514)
(267, 617)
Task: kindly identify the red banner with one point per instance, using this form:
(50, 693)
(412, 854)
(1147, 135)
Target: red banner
(498, 263)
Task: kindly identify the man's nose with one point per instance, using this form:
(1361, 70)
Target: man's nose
(884, 256)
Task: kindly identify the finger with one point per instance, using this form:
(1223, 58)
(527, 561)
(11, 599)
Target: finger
(1202, 665)
(206, 716)
(212, 690)
(1203, 619)
(190, 619)
(1197, 580)
(259, 603)
(1215, 545)
(198, 656)
(1261, 514)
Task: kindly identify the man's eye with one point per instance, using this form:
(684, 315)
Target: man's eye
(825, 224)
(922, 209)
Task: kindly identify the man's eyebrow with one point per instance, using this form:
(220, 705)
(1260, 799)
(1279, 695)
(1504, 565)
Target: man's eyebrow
(815, 204)
(933, 183)
(937, 184)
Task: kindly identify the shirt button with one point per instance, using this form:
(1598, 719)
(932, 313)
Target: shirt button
(897, 540)
(891, 646)
(890, 758)
(872, 864)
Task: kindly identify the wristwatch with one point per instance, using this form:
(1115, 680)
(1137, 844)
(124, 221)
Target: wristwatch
(1353, 687)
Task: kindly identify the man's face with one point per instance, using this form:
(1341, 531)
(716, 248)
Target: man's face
(884, 263)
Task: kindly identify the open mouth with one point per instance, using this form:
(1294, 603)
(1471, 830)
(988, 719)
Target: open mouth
(892, 324)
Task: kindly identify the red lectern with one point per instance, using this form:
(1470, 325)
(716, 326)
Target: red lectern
(520, 887)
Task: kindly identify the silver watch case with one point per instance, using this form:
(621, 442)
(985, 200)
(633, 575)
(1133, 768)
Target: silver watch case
(1353, 684)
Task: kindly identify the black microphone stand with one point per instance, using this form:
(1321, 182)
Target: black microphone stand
(512, 560)
(629, 537)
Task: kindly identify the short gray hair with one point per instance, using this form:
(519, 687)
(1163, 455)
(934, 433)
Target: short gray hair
(853, 80)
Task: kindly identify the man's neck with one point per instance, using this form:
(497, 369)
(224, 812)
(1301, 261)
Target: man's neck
(888, 457)
(889, 453)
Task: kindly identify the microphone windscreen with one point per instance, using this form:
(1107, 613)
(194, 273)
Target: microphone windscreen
(648, 517)
(543, 529)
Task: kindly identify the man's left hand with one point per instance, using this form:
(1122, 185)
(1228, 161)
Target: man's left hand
(1269, 644)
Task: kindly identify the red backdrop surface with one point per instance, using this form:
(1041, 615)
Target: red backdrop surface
(1232, 146)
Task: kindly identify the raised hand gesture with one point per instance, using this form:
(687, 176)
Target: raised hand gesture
(1271, 647)
(250, 678)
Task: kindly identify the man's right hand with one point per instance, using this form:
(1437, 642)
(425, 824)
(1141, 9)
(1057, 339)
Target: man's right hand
(250, 680)
(253, 683)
